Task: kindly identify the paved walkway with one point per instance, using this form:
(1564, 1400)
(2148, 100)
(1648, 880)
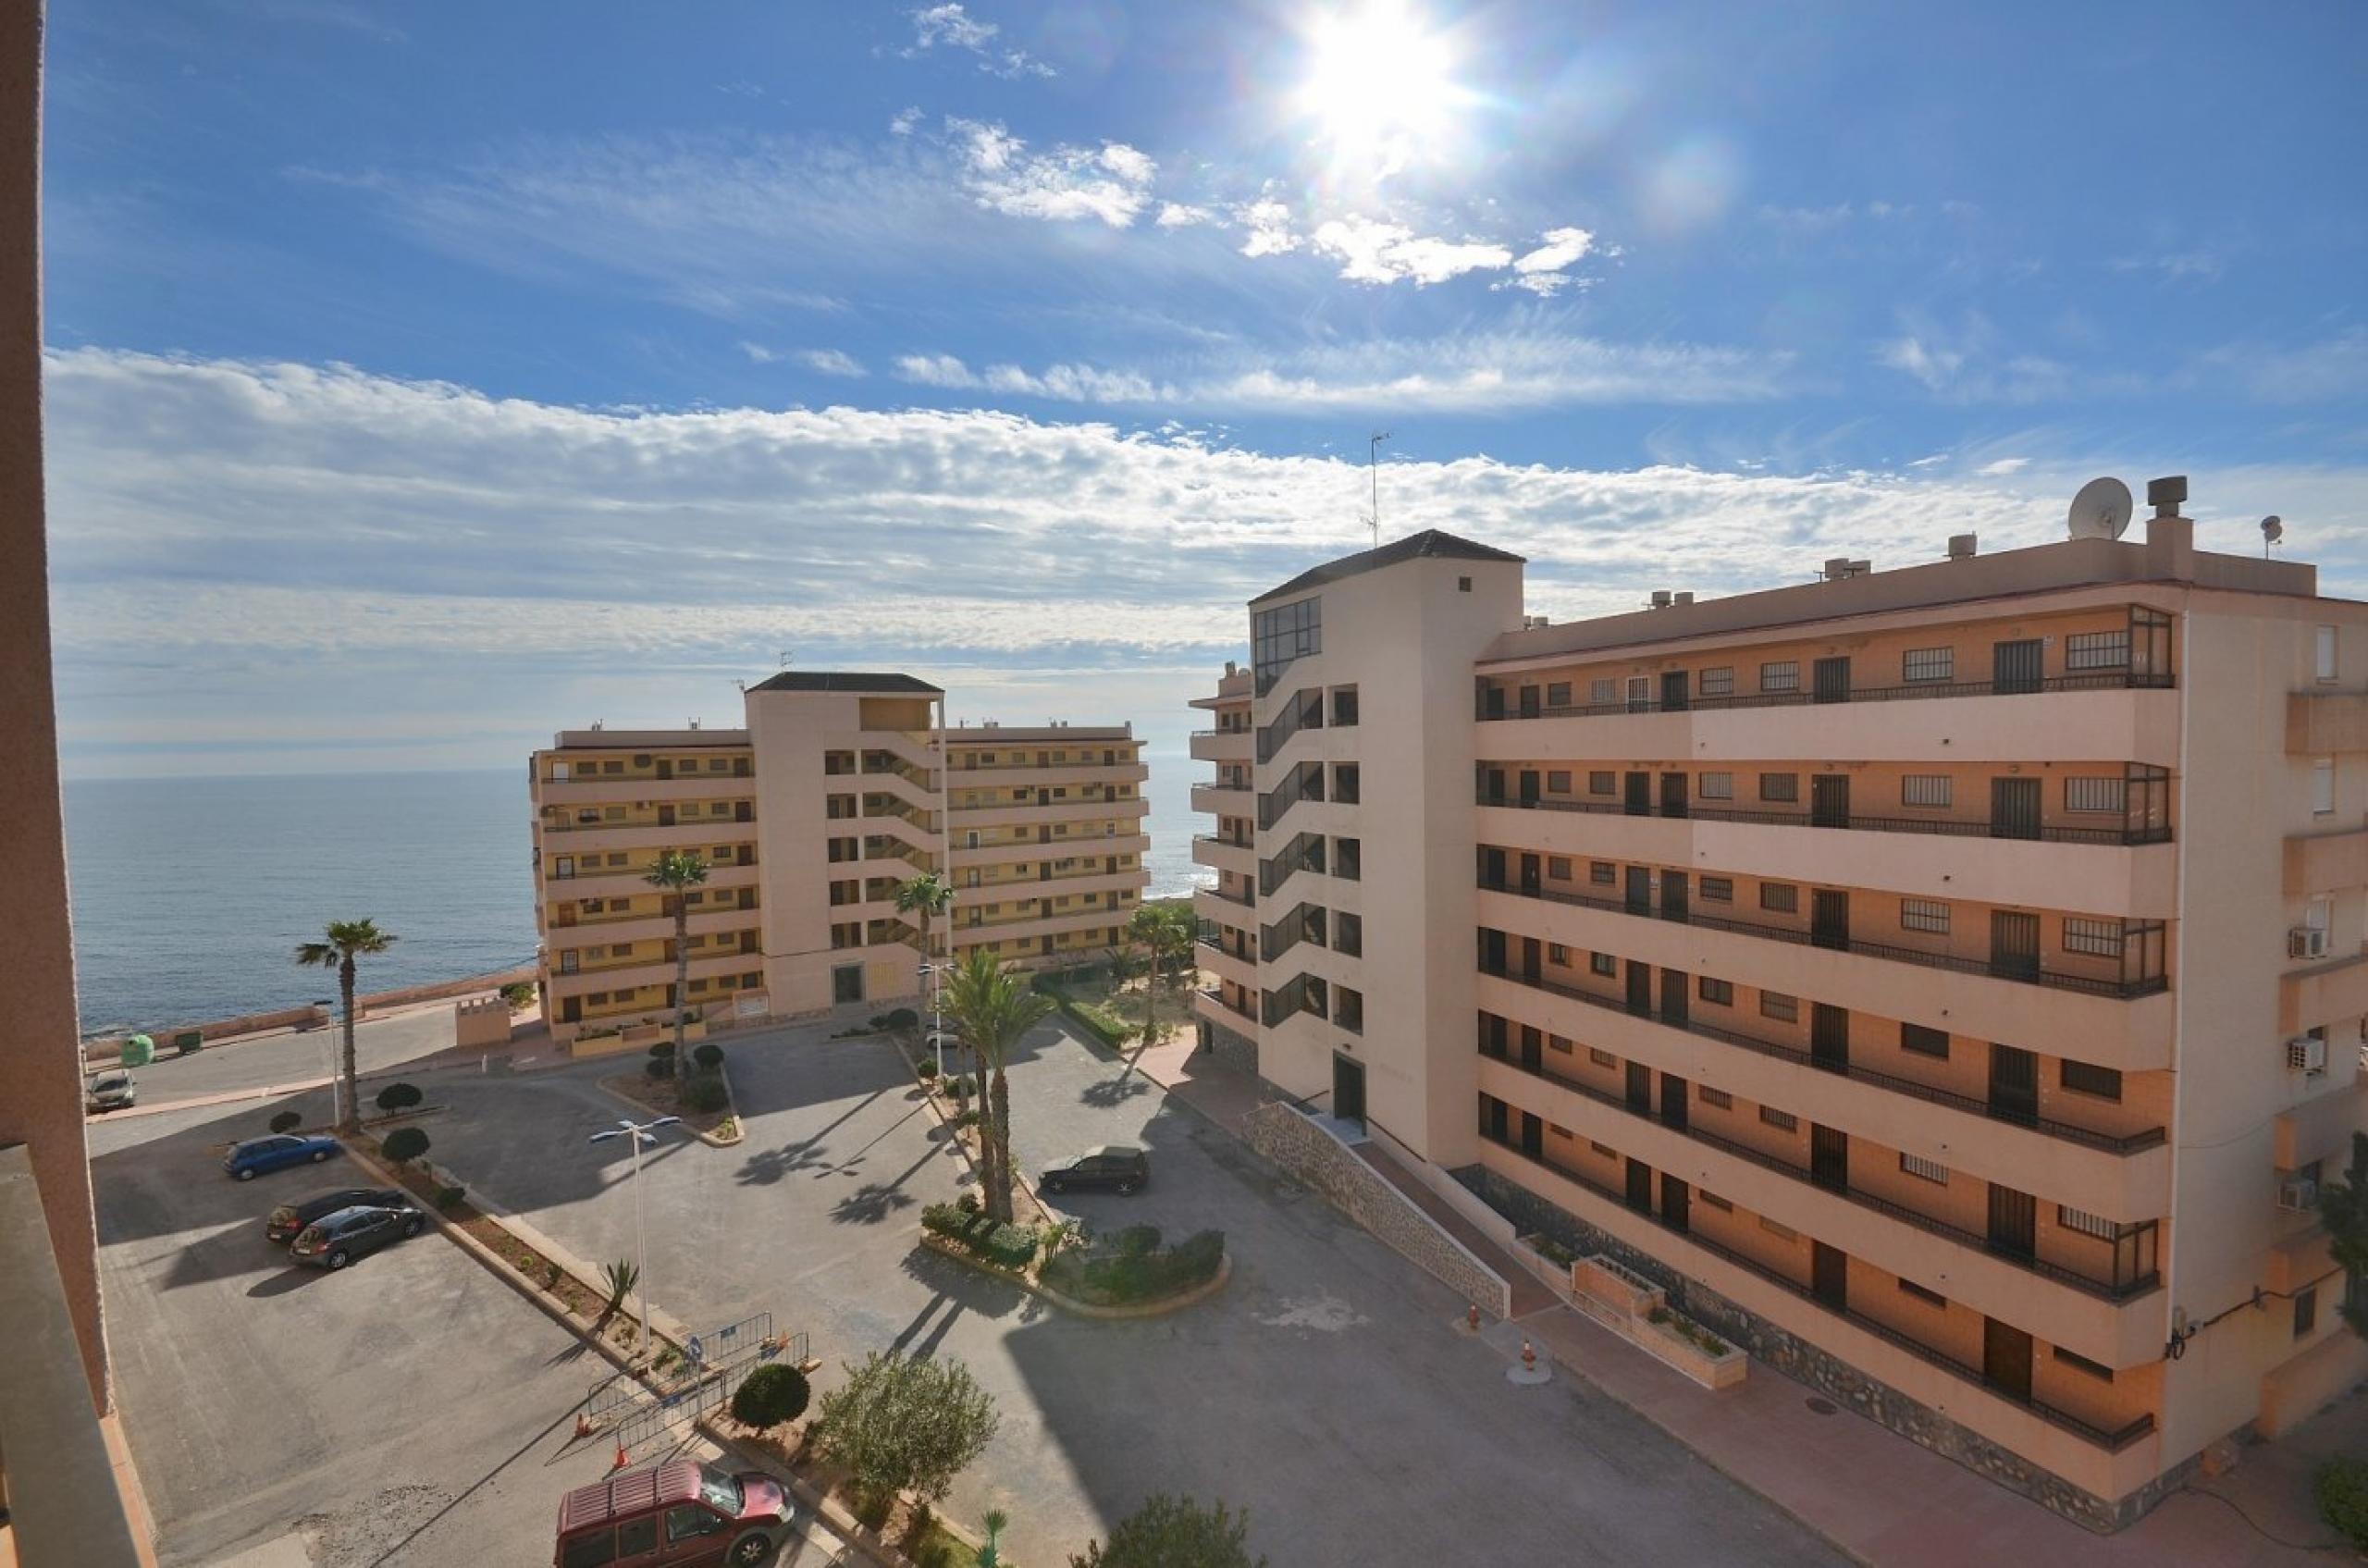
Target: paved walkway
(1529, 1295)
(1222, 1095)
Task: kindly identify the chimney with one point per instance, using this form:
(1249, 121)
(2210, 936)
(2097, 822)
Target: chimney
(2170, 537)
(1230, 669)
(1962, 547)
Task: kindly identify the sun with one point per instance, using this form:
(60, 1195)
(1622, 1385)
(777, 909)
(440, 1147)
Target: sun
(1378, 84)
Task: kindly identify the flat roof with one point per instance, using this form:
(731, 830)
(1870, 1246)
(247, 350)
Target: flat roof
(876, 682)
(986, 734)
(1431, 544)
(648, 740)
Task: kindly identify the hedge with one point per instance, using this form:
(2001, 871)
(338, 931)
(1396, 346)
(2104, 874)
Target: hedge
(703, 1094)
(1013, 1246)
(1134, 1272)
(2341, 1489)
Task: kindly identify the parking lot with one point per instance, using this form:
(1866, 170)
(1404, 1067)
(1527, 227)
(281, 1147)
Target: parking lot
(1325, 1388)
(410, 1409)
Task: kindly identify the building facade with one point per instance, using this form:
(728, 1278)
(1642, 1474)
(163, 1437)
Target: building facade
(839, 787)
(1949, 980)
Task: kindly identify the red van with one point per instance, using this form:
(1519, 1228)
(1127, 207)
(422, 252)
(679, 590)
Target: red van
(674, 1514)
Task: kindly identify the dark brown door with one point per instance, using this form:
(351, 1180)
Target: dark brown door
(1829, 1275)
(2014, 1222)
(1532, 1136)
(1492, 867)
(1529, 786)
(1674, 1002)
(1638, 893)
(1673, 1092)
(1493, 1116)
(1532, 874)
(2014, 945)
(2006, 1359)
(665, 816)
(1640, 1187)
(1673, 794)
(1496, 785)
(1829, 1037)
(1640, 988)
(1533, 1049)
(1673, 891)
(1677, 1204)
(1532, 958)
(1638, 798)
(2015, 666)
(1830, 1157)
(1529, 702)
(1639, 1089)
(1829, 918)
(1672, 691)
(2014, 808)
(2013, 1084)
(1348, 1088)
(1829, 800)
(1833, 680)
(665, 767)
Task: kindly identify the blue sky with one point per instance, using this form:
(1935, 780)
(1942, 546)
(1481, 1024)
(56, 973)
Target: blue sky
(428, 376)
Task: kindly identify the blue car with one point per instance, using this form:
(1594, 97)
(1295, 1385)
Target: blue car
(275, 1152)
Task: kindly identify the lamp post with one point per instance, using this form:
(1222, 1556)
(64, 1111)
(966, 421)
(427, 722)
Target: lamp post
(635, 1135)
(336, 1084)
(936, 1015)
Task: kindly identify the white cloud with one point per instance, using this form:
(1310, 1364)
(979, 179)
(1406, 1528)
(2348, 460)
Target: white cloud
(935, 370)
(2003, 466)
(953, 27)
(1373, 251)
(905, 121)
(1968, 362)
(1178, 215)
(830, 362)
(758, 353)
(1269, 225)
(1543, 271)
(1111, 183)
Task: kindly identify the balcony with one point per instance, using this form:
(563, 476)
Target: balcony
(1210, 1003)
(1030, 850)
(634, 882)
(2323, 994)
(627, 791)
(1032, 812)
(2321, 862)
(1232, 855)
(1216, 907)
(599, 932)
(598, 838)
(1221, 800)
(1219, 745)
(2326, 724)
(656, 972)
(2123, 834)
(1301, 710)
(1224, 964)
(1921, 691)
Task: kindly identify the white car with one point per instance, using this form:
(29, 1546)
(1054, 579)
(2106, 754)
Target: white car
(110, 1091)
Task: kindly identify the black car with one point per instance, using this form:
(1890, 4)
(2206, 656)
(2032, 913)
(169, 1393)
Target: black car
(1114, 1165)
(289, 1218)
(336, 1240)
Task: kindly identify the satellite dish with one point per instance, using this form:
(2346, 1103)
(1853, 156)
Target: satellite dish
(2100, 510)
(2272, 528)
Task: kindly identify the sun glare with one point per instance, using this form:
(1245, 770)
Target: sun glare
(1378, 84)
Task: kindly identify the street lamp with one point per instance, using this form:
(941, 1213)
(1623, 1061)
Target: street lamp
(635, 1135)
(936, 1017)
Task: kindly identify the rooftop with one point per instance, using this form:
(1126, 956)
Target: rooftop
(850, 681)
(1428, 545)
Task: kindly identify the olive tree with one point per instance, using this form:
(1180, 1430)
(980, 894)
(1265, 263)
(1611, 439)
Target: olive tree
(901, 1425)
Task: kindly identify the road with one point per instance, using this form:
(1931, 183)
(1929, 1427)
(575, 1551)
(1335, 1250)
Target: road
(280, 1061)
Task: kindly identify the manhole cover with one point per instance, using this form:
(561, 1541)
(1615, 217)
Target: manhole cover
(1824, 1407)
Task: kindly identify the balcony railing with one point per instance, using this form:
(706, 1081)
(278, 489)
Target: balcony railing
(1302, 783)
(2105, 1290)
(2132, 1144)
(1217, 996)
(1218, 841)
(2127, 834)
(1303, 853)
(2135, 938)
(1304, 710)
(1246, 900)
(2112, 1441)
(2102, 680)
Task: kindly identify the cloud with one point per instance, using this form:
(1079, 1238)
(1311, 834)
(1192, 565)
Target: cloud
(904, 121)
(1112, 183)
(1373, 251)
(829, 362)
(1178, 215)
(1268, 225)
(2334, 367)
(953, 27)
(1542, 271)
(1969, 364)
(2003, 466)
(2178, 267)
(758, 354)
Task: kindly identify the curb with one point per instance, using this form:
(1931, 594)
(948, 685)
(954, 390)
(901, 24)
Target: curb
(710, 1139)
(1193, 1296)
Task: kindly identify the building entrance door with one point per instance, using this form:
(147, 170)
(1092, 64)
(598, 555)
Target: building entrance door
(1829, 800)
(2014, 808)
(2006, 1359)
(1348, 1088)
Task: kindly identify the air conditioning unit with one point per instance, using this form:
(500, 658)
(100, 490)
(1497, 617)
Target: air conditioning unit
(2298, 1195)
(2306, 942)
(2306, 1053)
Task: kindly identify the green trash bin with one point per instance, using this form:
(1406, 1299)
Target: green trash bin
(136, 1051)
(187, 1040)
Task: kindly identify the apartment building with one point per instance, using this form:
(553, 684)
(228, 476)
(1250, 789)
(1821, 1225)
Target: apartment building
(839, 786)
(1948, 981)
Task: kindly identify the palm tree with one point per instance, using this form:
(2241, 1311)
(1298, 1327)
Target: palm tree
(1166, 932)
(347, 940)
(676, 871)
(994, 1007)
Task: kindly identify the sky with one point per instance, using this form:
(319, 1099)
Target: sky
(427, 377)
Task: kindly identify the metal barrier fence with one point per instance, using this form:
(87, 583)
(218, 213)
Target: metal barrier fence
(723, 1355)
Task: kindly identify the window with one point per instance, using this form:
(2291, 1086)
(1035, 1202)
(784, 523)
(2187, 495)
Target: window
(1924, 1170)
(2097, 650)
(1718, 890)
(1640, 693)
(1786, 676)
(1718, 1097)
(1781, 898)
(1348, 859)
(1557, 954)
(1930, 1298)
(2325, 653)
(1556, 1043)
(1718, 992)
(2081, 1364)
(1717, 681)
(2087, 1224)
(1783, 1122)
(1718, 786)
(1781, 1232)
(1776, 1005)
(1558, 694)
(2096, 795)
(1602, 1058)
(596, 1550)
(1463, 584)
(1599, 783)
(690, 1521)
(2321, 785)
(1558, 868)
(1603, 873)
(567, 960)
(1602, 964)
(1605, 1150)
(637, 1535)
(1917, 1039)
(1923, 914)
(1716, 1202)
(2085, 1077)
(1933, 790)
(1929, 664)
(1349, 934)
(1558, 784)
(1283, 634)
(2100, 939)
(1348, 1011)
(2315, 913)
(1346, 788)
(1602, 691)
(1780, 786)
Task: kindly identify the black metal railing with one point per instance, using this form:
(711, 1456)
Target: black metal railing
(2111, 1440)
(1214, 995)
(1246, 901)
(2102, 680)
(1305, 781)
(1302, 710)
(1941, 826)
(2028, 974)
(1303, 853)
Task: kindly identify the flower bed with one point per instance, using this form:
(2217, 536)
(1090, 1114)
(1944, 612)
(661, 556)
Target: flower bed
(664, 1096)
(1135, 1270)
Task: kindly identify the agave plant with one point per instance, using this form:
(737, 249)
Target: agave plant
(620, 1279)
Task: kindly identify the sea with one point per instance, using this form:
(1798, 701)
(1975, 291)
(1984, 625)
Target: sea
(191, 895)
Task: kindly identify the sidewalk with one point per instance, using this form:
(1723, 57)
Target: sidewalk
(1222, 1095)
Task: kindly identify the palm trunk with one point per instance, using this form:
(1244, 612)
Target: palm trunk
(352, 1122)
(682, 974)
(999, 1185)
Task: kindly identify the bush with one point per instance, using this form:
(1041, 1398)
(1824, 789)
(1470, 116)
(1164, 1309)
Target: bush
(519, 993)
(398, 1097)
(1135, 1240)
(287, 1122)
(772, 1394)
(2341, 1488)
(903, 1018)
(1167, 1531)
(1011, 1246)
(663, 1051)
(703, 1094)
(708, 1054)
(903, 1424)
(968, 1202)
(881, 1021)
(658, 1067)
(1122, 1279)
(404, 1144)
(445, 1197)
(966, 1118)
(928, 1072)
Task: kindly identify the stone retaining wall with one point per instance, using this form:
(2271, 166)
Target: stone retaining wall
(1826, 1373)
(1305, 1150)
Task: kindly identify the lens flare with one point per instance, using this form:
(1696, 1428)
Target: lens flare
(1379, 86)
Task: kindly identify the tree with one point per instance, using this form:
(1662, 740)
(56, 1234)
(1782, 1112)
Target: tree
(1169, 1532)
(2344, 1205)
(398, 1097)
(1166, 932)
(899, 1425)
(346, 940)
(287, 1122)
(676, 872)
(772, 1394)
(994, 1007)
(404, 1144)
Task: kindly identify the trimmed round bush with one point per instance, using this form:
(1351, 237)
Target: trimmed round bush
(658, 1067)
(928, 1072)
(445, 1197)
(1135, 1240)
(287, 1122)
(398, 1097)
(704, 1093)
(772, 1394)
(404, 1144)
(903, 1018)
(663, 1050)
(708, 1054)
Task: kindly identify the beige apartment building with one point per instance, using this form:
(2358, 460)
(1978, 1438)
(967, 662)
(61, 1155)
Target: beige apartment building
(839, 787)
(1947, 981)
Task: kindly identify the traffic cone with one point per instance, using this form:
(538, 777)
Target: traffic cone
(583, 1425)
(621, 1460)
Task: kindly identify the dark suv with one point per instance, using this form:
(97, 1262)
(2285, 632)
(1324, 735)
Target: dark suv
(336, 1240)
(674, 1514)
(289, 1220)
(1113, 1165)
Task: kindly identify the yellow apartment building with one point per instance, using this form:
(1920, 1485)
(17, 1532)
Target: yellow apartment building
(839, 786)
(1948, 981)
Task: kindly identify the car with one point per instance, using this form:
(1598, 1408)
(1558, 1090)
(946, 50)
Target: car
(246, 1161)
(287, 1219)
(110, 1091)
(673, 1514)
(1114, 1165)
(336, 1240)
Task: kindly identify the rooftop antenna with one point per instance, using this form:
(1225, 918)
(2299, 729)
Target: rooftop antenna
(1373, 463)
(784, 659)
(2100, 512)
(2272, 528)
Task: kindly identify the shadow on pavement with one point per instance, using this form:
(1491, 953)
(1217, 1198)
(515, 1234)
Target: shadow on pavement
(1112, 1092)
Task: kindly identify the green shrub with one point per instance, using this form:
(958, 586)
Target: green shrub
(519, 993)
(1135, 1240)
(2341, 1488)
(966, 1118)
(1122, 1278)
(1013, 1246)
(287, 1122)
(708, 1054)
(398, 1097)
(881, 1021)
(927, 1070)
(903, 1018)
(658, 1067)
(404, 1144)
(445, 1197)
(663, 1050)
(772, 1394)
(704, 1094)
